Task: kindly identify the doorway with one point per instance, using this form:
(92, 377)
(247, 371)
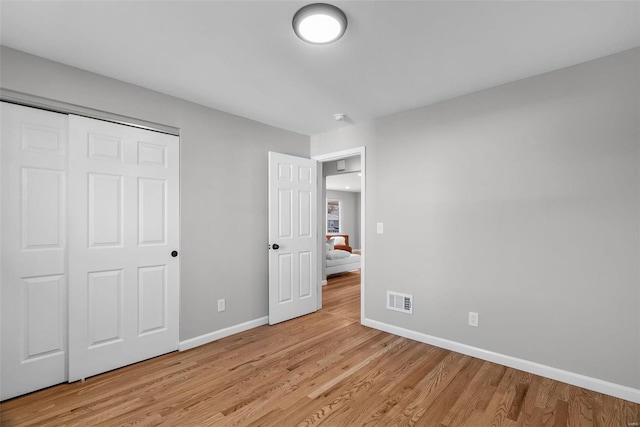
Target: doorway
(345, 164)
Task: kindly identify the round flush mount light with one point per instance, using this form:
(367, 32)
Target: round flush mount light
(319, 23)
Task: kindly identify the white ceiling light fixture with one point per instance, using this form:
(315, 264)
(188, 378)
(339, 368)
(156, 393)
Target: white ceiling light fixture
(319, 23)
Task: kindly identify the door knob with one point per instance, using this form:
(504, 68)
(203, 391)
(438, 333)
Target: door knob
(174, 253)
(275, 246)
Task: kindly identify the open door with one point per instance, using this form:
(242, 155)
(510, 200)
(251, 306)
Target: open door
(293, 275)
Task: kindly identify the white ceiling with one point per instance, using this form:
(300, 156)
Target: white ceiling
(344, 182)
(243, 57)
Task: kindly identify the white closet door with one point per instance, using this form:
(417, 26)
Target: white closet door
(33, 235)
(123, 279)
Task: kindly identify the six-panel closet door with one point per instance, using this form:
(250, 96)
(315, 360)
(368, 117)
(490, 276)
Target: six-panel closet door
(123, 211)
(33, 234)
(89, 226)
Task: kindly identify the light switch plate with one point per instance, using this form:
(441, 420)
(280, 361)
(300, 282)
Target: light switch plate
(380, 228)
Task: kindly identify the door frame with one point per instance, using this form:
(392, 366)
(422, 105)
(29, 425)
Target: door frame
(328, 157)
(2, 258)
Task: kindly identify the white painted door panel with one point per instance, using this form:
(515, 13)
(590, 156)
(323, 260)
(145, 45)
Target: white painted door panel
(123, 190)
(293, 289)
(34, 280)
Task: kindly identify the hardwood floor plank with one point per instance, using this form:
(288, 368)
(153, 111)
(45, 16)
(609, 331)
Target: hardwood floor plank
(451, 393)
(320, 369)
(498, 407)
(529, 414)
(518, 400)
(560, 414)
(326, 373)
(471, 398)
(340, 399)
(330, 384)
(427, 391)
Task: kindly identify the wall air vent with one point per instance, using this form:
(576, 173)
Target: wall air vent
(400, 302)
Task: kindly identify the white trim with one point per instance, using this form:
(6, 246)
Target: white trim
(35, 101)
(589, 383)
(338, 155)
(361, 151)
(323, 283)
(1, 258)
(221, 333)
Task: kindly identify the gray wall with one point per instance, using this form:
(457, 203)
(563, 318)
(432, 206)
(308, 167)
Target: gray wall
(521, 203)
(223, 170)
(350, 213)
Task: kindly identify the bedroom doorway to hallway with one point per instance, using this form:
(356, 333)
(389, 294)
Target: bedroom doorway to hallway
(341, 217)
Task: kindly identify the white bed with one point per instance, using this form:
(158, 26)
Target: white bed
(335, 266)
(339, 261)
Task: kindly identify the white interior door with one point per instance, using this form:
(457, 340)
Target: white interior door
(34, 281)
(293, 265)
(123, 279)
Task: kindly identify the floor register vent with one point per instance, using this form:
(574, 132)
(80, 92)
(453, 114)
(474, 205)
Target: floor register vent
(400, 302)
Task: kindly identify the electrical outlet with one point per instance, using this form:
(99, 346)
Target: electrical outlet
(380, 228)
(222, 304)
(473, 319)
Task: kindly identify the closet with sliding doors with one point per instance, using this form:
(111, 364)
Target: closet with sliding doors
(89, 242)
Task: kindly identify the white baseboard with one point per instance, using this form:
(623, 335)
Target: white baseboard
(323, 283)
(222, 333)
(594, 384)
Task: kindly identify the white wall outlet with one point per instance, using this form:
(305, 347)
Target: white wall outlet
(222, 304)
(473, 319)
(379, 228)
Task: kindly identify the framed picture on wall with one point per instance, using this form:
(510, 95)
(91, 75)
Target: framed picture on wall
(333, 216)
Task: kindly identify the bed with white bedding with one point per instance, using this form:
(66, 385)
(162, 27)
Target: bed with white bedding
(339, 261)
(335, 266)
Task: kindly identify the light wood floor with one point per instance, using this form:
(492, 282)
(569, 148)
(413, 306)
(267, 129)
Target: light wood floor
(324, 368)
